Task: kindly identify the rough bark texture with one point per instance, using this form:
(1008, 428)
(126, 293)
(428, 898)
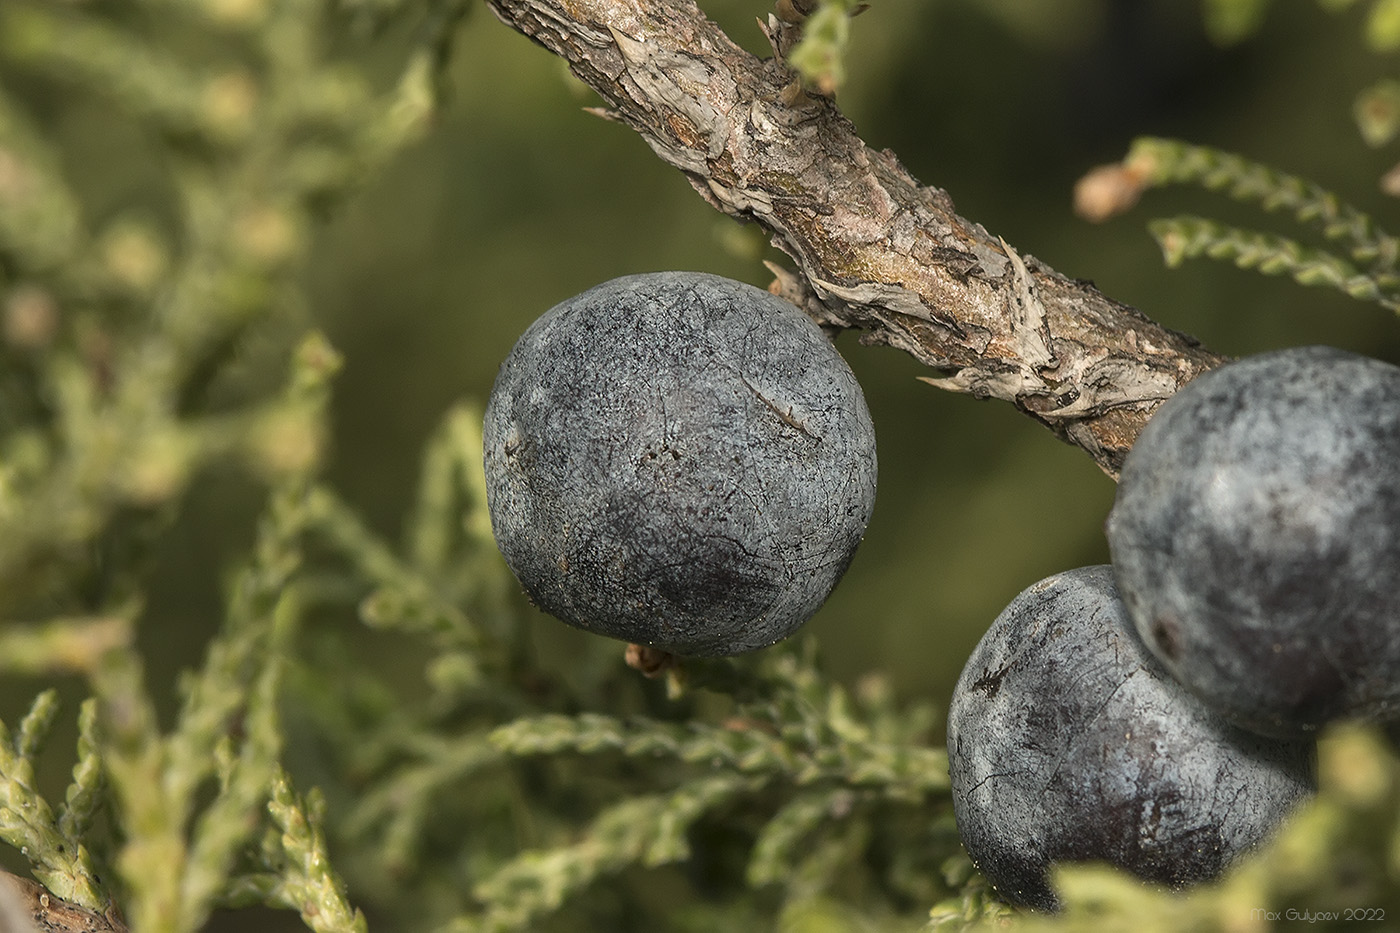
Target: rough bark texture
(26, 907)
(875, 250)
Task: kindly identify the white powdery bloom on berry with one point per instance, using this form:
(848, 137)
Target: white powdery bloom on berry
(679, 460)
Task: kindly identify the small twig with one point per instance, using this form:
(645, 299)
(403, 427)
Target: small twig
(652, 662)
(23, 901)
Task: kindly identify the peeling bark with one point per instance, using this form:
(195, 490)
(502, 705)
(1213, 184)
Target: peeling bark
(875, 250)
(26, 907)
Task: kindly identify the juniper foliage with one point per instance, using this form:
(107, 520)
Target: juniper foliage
(497, 796)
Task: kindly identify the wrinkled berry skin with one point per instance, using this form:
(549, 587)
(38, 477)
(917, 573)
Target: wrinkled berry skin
(679, 460)
(1256, 538)
(1068, 742)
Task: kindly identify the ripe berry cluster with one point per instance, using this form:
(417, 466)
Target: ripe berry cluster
(1158, 714)
(685, 462)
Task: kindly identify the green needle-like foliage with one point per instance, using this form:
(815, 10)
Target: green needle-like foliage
(649, 830)
(176, 857)
(1157, 162)
(1365, 268)
(27, 822)
(300, 864)
(372, 722)
(450, 808)
(1184, 238)
(40, 225)
(799, 740)
(60, 644)
(746, 750)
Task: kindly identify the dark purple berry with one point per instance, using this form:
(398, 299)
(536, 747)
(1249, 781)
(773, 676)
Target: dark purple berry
(1068, 742)
(1256, 538)
(679, 460)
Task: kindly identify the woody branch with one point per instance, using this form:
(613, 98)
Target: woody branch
(874, 249)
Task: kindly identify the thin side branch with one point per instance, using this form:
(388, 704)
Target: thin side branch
(26, 907)
(875, 250)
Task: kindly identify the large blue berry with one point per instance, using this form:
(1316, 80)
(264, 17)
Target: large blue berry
(1256, 538)
(1068, 742)
(679, 460)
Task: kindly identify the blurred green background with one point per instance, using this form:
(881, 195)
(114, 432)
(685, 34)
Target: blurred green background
(519, 199)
